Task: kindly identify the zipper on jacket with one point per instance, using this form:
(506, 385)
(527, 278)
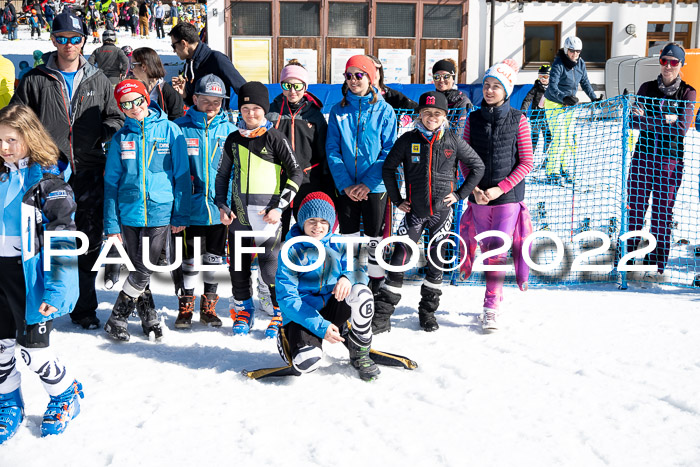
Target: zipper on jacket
(247, 180)
(206, 166)
(70, 125)
(143, 172)
(357, 134)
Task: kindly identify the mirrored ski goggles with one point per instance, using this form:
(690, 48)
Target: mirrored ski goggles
(296, 86)
(669, 61)
(358, 76)
(63, 40)
(128, 105)
(443, 77)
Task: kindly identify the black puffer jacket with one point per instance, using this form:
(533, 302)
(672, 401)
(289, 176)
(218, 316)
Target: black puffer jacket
(459, 106)
(493, 133)
(78, 127)
(111, 60)
(430, 170)
(533, 97)
(305, 128)
(398, 100)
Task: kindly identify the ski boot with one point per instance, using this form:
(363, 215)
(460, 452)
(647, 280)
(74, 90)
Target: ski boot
(243, 314)
(566, 177)
(184, 312)
(11, 414)
(489, 321)
(360, 359)
(275, 324)
(87, 322)
(62, 409)
(385, 302)
(429, 302)
(264, 299)
(149, 317)
(207, 310)
(116, 325)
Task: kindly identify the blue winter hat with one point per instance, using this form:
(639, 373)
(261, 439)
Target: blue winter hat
(675, 51)
(317, 204)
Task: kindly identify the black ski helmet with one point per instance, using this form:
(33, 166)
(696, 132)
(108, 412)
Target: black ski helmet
(109, 36)
(544, 70)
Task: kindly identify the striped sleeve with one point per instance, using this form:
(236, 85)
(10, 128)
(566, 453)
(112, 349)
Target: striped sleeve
(525, 165)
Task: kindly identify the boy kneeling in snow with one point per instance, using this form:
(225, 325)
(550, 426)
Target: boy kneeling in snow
(317, 304)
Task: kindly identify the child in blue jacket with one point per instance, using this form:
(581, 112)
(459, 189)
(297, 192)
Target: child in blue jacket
(147, 195)
(316, 304)
(35, 200)
(205, 128)
(361, 132)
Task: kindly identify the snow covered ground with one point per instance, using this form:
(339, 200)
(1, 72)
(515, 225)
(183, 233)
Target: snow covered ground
(586, 376)
(578, 377)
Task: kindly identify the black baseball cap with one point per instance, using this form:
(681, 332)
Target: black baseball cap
(65, 22)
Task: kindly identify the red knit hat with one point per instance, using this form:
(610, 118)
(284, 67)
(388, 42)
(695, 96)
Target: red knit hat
(364, 63)
(131, 85)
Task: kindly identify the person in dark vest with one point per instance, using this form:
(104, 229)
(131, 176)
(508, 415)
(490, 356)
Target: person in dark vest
(500, 135)
(663, 113)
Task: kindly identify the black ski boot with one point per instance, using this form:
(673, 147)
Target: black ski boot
(385, 302)
(374, 284)
(149, 318)
(116, 325)
(360, 359)
(429, 302)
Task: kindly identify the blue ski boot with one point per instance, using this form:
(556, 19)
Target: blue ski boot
(244, 316)
(275, 324)
(62, 409)
(11, 414)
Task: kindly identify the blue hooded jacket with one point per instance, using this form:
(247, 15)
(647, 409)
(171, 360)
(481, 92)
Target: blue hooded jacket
(564, 78)
(302, 294)
(205, 143)
(147, 176)
(360, 136)
(32, 205)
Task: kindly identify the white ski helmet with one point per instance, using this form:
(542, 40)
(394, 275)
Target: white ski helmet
(573, 43)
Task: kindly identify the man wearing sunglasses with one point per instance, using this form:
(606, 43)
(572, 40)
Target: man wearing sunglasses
(200, 61)
(74, 101)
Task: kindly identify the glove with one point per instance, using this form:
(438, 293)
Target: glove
(598, 99)
(570, 100)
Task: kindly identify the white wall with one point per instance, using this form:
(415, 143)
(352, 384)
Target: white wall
(215, 25)
(508, 42)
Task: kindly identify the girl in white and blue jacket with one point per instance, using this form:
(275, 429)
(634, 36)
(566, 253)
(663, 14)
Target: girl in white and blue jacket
(361, 132)
(35, 200)
(147, 195)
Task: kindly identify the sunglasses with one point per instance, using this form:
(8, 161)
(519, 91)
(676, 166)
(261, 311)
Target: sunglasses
(575, 51)
(358, 76)
(669, 61)
(75, 40)
(443, 77)
(133, 64)
(296, 86)
(175, 43)
(128, 105)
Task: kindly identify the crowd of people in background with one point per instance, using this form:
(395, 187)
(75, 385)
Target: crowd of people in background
(141, 160)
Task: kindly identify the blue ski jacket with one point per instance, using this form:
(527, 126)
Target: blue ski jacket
(301, 295)
(205, 143)
(564, 78)
(34, 202)
(147, 176)
(360, 136)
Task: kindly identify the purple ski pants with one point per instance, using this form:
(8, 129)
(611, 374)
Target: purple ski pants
(501, 217)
